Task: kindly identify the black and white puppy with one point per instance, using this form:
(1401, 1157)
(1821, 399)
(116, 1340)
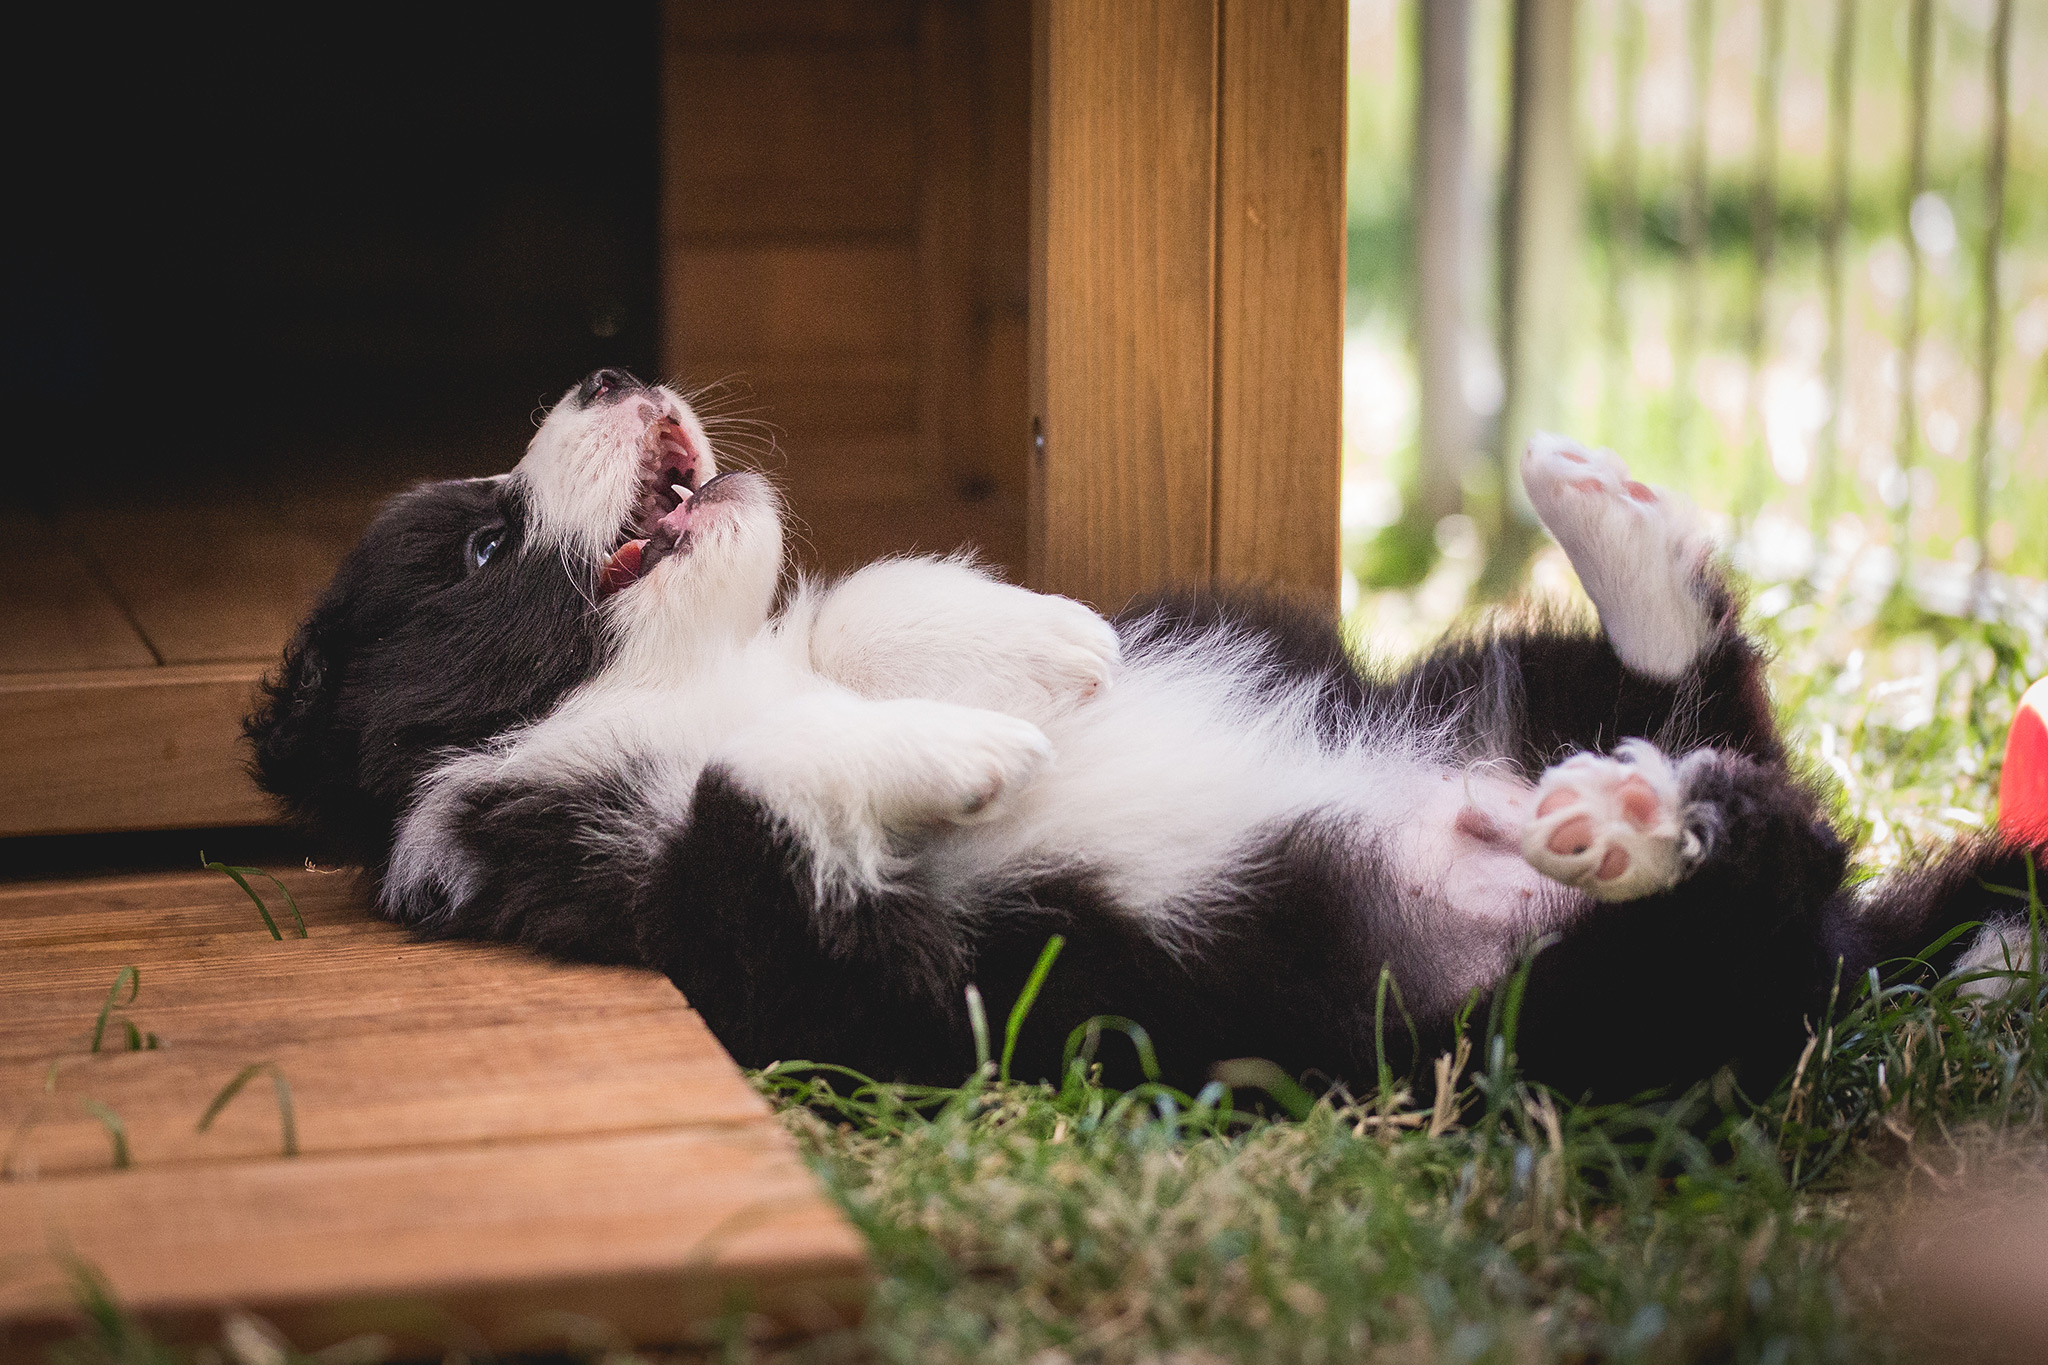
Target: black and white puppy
(576, 706)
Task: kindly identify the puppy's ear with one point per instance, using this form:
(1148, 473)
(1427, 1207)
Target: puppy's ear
(298, 754)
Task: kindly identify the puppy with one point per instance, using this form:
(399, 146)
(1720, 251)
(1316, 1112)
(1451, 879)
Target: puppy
(576, 706)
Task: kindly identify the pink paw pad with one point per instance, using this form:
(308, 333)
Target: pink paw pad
(1609, 826)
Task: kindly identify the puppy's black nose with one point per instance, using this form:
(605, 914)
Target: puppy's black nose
(605, 385)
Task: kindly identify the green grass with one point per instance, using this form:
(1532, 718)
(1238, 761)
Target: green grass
(1016, 1222)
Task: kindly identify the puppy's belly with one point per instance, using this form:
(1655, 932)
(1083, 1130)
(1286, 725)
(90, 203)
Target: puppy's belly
(1462, 846)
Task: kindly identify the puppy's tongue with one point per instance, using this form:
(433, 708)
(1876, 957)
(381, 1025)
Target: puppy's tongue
(622, 568)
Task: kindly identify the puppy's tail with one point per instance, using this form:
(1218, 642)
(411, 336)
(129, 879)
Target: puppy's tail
(1975, 908)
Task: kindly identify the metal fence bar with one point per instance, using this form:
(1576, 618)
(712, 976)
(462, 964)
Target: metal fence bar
(1841, 98)
(1920, 61)
(1624, 213)
(1987, 341)
(1692, 228)
(1763, 241)
(1541, 232)
(1442, 197)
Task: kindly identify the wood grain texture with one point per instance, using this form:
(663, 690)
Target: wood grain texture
(1123, 304)
(735, 303)
(126, 748)
(1187, 295)
(1280, 296)
(844, 235)
(486, 1138)
(219, 583)
(782, 140)
(55, 613)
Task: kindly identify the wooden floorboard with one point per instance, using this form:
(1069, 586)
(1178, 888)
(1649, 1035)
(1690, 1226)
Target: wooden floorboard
(127, 748)
(486, 1141)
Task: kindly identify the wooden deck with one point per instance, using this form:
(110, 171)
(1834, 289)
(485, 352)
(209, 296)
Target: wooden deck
(492, 1150)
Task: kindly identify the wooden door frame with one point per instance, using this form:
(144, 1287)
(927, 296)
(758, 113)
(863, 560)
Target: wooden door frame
(1186, 295)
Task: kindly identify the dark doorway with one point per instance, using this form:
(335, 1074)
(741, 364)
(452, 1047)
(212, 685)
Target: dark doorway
(243, 249)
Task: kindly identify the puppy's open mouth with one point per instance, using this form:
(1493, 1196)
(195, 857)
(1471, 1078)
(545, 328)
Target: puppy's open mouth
(672, 491)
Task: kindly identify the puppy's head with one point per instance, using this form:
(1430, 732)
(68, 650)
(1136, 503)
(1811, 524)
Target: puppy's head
(472, 606)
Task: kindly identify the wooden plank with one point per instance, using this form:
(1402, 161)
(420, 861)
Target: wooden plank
(845, 234)
(691, 23)
(501, 1083)
(648, 1234)
(784, 142)
(126, 748)
(301, 991)
(843, 533)
(731, 304)
(1123, 217)
(945, 245)
(1280, 296)
(212, 583)
(993, 457)
(54, 612)
(485, 1137)
(809, 396)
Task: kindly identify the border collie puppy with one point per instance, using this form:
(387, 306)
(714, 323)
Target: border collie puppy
(575, 706)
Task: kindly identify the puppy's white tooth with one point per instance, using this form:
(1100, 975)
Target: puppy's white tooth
(679, 491)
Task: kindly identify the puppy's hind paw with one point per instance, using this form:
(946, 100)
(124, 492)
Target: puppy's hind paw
(1613, 827)
(1641, 553)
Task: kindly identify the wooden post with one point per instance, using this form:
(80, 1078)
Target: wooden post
(1187, 295)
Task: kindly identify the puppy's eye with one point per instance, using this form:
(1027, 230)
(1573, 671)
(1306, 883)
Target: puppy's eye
(483, 543)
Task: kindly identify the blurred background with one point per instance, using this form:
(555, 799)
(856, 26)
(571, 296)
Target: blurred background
(1791, 259)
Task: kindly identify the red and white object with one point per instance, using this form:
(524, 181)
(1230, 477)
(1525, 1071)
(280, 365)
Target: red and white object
(2023, 789)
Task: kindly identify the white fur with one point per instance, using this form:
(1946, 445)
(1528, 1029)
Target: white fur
(943, 629)
(583, 468)
(921, 706)
(1639, 552)
(2006, 949)
(848, 775)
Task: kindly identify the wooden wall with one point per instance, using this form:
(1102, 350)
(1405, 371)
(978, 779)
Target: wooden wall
(863, 202)
(844, 199)
(1188, 207)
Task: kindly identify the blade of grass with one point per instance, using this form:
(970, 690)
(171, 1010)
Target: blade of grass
(977, 1019)
(1029, 996)
(132, 978)
(1082, 1042)
(247, 890)
(1256, 1073)
(117, 1131)
(241, 877)
(286, 1118)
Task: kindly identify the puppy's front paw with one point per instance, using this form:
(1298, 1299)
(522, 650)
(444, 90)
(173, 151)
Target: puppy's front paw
(1063, 647)
(968, 764)
(1612, 827)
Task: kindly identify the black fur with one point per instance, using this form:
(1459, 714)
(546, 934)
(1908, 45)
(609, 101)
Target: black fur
(410, 654)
